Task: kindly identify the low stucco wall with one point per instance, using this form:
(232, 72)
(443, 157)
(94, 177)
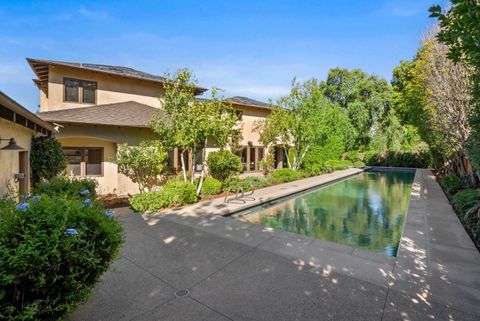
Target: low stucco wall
(9, 160)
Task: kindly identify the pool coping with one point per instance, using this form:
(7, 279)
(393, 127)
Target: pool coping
(436, 263)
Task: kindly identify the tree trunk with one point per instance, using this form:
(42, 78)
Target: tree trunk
(204, 154)
(194, 151)
(184, 170)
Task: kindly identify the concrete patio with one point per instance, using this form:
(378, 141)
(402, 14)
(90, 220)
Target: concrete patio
(194, 264)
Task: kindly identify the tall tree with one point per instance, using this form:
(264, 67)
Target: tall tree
(191, 124)
(432, 93)
(363, 96)
(459, 29)
(302, 121)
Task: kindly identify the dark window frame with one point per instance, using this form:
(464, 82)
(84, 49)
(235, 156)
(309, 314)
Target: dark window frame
(83, 160)
(80, 93)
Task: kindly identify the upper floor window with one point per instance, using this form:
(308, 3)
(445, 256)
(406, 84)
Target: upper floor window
(79, 91)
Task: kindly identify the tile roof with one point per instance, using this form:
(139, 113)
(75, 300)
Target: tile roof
(128, 114)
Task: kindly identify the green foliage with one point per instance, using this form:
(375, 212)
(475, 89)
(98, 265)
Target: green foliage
(211, 186)
(353, 156)
(308, 121)
(143, 163)
(317, 169)
(364, 97)
(223, 164)
(187, 123)
(46, 158)
(398, 159)
(339, 164)
(253, 182)
(174, 193)
(65, 187)
(359, 164)
(452, 184)
(283, 175)
(233, 184)
(464, 198)
(45, 271)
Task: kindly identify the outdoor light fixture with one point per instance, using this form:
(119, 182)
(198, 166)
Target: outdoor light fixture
(12, 145)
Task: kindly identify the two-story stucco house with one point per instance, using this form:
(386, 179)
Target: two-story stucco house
(95, 107)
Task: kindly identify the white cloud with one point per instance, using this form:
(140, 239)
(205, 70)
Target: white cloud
(93, 15)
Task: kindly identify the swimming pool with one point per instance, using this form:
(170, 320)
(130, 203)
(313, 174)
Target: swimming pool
(367, 211)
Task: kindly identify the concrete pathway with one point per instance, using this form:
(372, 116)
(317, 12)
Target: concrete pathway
(196, 265)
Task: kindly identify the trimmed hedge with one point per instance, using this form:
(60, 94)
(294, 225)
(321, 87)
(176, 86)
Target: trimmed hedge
(174, 193)
(283, 175)
(398, 159)
(53, 251)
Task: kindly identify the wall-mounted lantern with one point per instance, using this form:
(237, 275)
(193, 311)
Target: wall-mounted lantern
(12, 145)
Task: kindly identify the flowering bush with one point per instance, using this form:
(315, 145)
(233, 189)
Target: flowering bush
(53, 250)
(60, 186)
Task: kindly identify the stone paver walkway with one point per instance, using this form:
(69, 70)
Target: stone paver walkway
(234, 270)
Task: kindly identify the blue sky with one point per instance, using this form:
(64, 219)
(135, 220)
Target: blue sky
(248, 48)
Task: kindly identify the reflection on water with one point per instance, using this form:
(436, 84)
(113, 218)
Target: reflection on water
(366, 211)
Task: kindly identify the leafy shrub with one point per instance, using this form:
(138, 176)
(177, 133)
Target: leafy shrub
(421, 159)
(317, 169)
(46, 158)
(464, 198)
(53, 250)
(211, 186)
(144, 164)
(452, 184)
(223, 164)
(60, 186)
(283, 175)
(339, 164)
(234, 183)
(358, 164)
(253, 182)
(353, 156)
(174, 193)
(148, 201)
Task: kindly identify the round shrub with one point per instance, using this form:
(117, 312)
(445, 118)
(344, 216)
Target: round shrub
(283, 175)
(148, 201)
(174, 193)
(359, 164)
(223, 164)
(452, 184)
(232, 184)
(211, 186)
(46, 158)
(53, 251)
(253, 182)
(60, 186)
(339, 164)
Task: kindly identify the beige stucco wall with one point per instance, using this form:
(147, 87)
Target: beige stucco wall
(110, 89)
(9, 159)
(107, 137)
(249, 117)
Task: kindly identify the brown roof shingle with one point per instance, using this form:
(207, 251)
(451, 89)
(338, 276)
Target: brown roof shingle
(128, 114)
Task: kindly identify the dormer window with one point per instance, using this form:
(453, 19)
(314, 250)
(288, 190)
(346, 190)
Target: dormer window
(79, 91)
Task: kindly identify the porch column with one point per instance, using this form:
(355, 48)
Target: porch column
(279, 157)
(248, 159)
(175, 159)
(256, 158)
